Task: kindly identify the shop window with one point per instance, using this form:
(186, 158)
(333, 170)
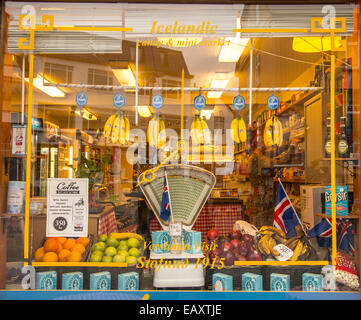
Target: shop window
(99, 77)
(59, 73)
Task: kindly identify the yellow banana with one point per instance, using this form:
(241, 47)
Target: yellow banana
(271, 242)
(116, 129)
(297, 251)
(235, 131)
(125, 235)
(109, 125)
(206, 133)
(195, 131)
(161, 135)
(122, 133)
(127, 128)
(273, 229)
(153, 132)
(263, 246)
(242, 131)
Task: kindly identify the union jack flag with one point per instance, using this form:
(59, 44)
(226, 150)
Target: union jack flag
(165, 205)
(284, 216)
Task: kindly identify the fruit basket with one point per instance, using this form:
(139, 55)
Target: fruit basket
(121, 244)
(65, 269)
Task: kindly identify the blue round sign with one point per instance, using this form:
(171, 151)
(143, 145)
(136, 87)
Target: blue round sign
(239, 102)
(199, 102)
(273, 102)
(118, 100)
(81, 99)
(157, 101)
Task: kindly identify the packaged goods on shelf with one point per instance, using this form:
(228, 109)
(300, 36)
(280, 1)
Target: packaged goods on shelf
(100, 281)
(128, 281)
(280, 282)
(252, 282)
(312, 282)
(222, 282)
(72, 281)
(46, 280)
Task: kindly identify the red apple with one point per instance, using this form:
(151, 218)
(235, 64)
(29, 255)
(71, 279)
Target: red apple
(248, 238)
(235, 243)
(235, 234)
(239, 257)
(254, 255)
(212, 234)
(229, 258)
(227, 246)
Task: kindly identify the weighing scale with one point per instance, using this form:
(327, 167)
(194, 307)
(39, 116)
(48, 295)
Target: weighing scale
(189, 189)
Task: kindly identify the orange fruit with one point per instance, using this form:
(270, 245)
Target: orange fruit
(60, 247)
(83, 240)
(50, 257)
(63, 254)
(51, 245)
(39, 254)
(61, 240)
(74, 256)
(78, 247)
(69, 244)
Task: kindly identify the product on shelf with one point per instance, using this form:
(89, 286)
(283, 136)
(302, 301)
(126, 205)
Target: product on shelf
(222, 282)
(100, 280)
(61, 249)
(273, 132)
(346, 272)
(46, 280)
(238, 130)
(156, 132)
(128, 281)
(117, 247)
(200, 133)
(117, 128)
(252, 282)
(235, 247)
(312, 282)
(72, 281)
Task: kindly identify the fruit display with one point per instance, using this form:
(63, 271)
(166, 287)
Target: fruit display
(268, 237)
(117, 128)
(273, 132)
(117, 247)
(156, 132)
(235, 247)
(61, 249)
(200, 133)
(238, 130)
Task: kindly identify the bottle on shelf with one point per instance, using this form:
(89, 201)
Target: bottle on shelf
(328, 139)
(342, 144)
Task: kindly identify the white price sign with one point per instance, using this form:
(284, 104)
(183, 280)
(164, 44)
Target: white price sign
(67, 208)
(285, 252)
(175, 229)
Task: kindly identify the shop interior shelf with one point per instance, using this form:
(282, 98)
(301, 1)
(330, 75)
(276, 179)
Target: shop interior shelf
(350, 216)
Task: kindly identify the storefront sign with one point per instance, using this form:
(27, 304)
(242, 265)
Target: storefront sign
(239, 103)
(273, 102)
(67, 208)
(118, 100)
(199, 102)
(18, 140)
(157, 101)
(81, 99)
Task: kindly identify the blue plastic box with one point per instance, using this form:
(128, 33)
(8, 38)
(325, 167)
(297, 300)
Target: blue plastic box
(128, 281)
(46, 280)
(222, 282)
(252, 282)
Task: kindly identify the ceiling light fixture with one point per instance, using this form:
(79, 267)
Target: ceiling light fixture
(144, 111)
(86, 114)
(314, 44)
(53, 92)
(232, 49)
(220, 80)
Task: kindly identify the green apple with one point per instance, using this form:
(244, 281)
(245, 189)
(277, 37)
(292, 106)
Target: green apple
(99, 246)
(98, 252)
(107, 259)
(134, 252)
(112, 242)
(123, 252)
(119, 258)
(133, 243)
(103, 238)
(131, 260)
(95, 258)
(110, 251)
(123, 245)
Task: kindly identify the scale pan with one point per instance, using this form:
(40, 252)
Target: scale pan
(189, 189)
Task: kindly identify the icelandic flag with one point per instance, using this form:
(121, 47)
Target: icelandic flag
(345, 236)
(285, 217)
(165, 205)
(323, 232)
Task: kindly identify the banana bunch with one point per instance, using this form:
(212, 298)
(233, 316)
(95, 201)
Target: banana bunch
(125, 235)
(117, 129)
(200, 132)
(273, 132)
(301, 248)
(238, 130)
(268, 238)
(156, 132)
